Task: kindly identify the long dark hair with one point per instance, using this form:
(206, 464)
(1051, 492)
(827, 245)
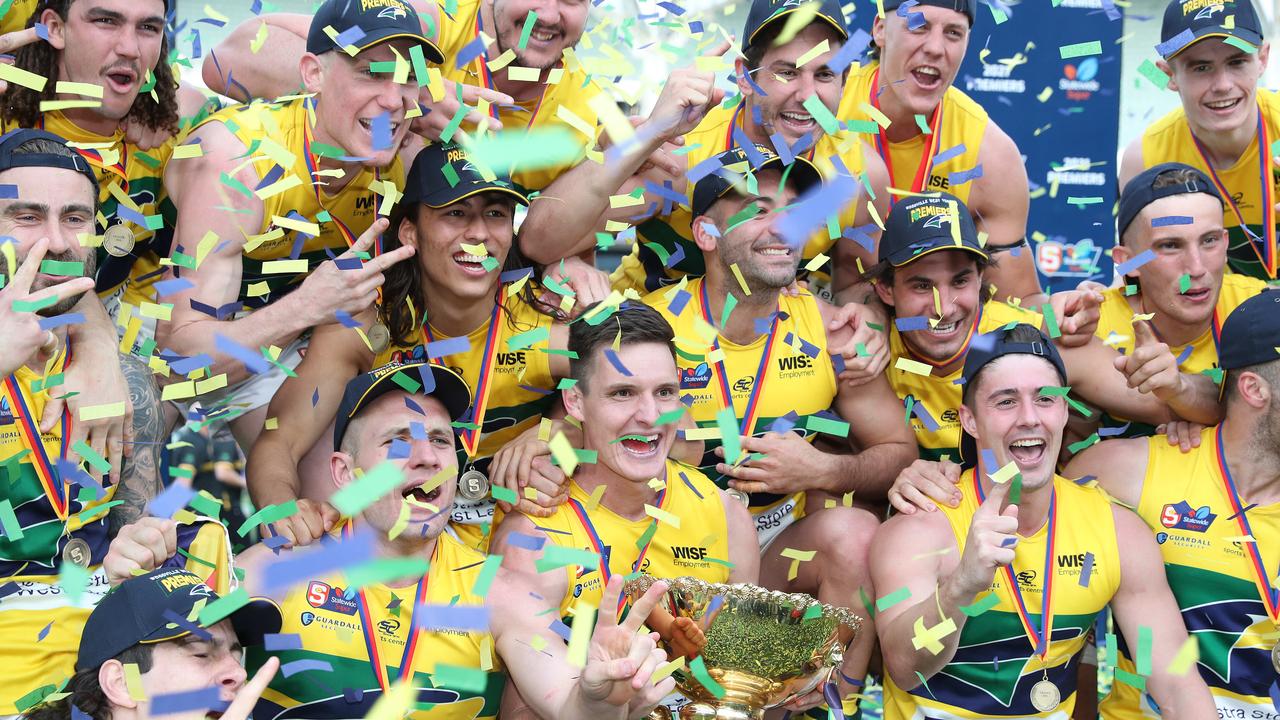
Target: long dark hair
(404, 297)
(21, 106)
(85, 693)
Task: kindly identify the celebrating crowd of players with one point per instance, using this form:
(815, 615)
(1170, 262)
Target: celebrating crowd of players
(817, 371)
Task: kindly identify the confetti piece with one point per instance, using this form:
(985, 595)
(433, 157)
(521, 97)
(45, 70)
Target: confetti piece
(980, 606)
(133, 681)
(201, 699)
(18, 76)
(452, 617)
(699, 670)
(914, 367)
(1153, 74)
(584, 620)
(727, 423)
(662, 516)
(887, 601)
(1176, 43)
(1186, 657)
(73, 579)
(353, 498)
(929, 638)
(1136, 262)
(1093, 47)
(813, 52)
(99, 412)
(558, 556)
(1004, 474)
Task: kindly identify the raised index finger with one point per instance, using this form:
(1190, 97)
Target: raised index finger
(642, 607)
(252, 690)
(718, 50)
(26, 272)
(14, 40)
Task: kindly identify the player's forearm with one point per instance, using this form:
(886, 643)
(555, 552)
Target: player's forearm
(578, 707)
(234, 69)
(869, 473)
(272, 470)
(1196, 401)
(279, 324)
(560, 220)
(1182, 698)
(925, 624)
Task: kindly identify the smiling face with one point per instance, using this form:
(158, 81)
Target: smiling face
(747, 225)
(559, 25)
(957, 280)
(787, 86)
(52, 203)
(1009, 413)
(423, 444)
(1218, 84)
(1197, 251)
(918, 64)
(191, 663)
(619, 412)
(359, 100)
(111, 43)
(439, 234)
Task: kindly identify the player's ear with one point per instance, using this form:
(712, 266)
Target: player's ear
(1167, 69)
(343, 468)
(407, 233)
(883, 291)
(1263, 53)
(967, 420)
(740, 71)
(877, 33)
(54, 24)
(111, 679)
(572, 398)
(705, 233)
(312, 69)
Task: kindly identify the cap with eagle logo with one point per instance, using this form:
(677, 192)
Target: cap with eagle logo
(161, 605)
(732, 165)
(764, 13)
(1189, 21)
(922, 224)
(365, 23)
(442, 174)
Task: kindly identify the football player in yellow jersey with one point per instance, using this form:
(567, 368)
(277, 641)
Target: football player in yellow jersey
(620, 392)
(1174, 249)
(917, 53)
(1215, 54)
(340, 142)
(969, 640)
(1200, 505)
(454, 288)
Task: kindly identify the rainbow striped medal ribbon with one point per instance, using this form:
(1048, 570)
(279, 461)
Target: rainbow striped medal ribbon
(752, 412)
(369, 630)
(1267, 253)
(600, 549)
(471, 437)
(1269, 595)
(1045, 696)
(55, 488)
(921, 180)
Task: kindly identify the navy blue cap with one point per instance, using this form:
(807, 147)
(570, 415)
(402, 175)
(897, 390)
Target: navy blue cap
(140, 611)
(430, 183)
(1187, 21)
(992, 346)
(922, 224)
(11, 140)
(438, 382)
(1140, 192)
(764, 13)
(1251, 332)
(964, 7)
(365, 23)
(800, 174)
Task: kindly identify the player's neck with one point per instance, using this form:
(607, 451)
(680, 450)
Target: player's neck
(902, 122)
(409, 544)
(1033, 505)
(1225, 148)
(455, 317)
(1254, 463)
(90, 120)
(741, 327)
(1169, 329)
(624, 497)
(520, 91)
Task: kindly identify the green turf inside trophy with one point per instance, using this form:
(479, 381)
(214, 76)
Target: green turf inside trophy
(762, 647)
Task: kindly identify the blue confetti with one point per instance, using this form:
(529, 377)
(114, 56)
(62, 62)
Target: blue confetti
(451, 617)
(174, 498)
(907, 324)
(290, 669)
(1168, 220)
(449, 346)
(1135, 262)
(200, 699)
(273, 642)
(616, 362)
(1176, 43)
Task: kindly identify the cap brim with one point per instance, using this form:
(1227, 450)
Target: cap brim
(806, 177)
(1248, 37)
(429, 49)
(908, 255)
(454, 194)
(450, 389)
(255, 620)
(840, 29)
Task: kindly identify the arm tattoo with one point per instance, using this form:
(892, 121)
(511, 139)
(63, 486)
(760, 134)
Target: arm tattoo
(140, 477)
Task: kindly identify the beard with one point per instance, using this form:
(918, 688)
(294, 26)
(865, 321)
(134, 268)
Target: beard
(64, 306)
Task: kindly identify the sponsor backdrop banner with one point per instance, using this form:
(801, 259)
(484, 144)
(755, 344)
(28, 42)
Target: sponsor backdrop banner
(1064, 114)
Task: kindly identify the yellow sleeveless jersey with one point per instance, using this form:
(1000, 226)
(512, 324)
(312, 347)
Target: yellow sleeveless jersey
(329, 620)
(785, 372)
(1185, 501)
(699, 547)
(664, 250)
(996, 665)
(959, 132)
(934, 400)
(565, 102)
(16, 15)
(291, 199)
(1169, 139)
(1115, 328)
(130, 193)
(516, 391)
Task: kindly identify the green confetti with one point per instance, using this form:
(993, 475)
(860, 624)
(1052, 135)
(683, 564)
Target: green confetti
(410, 385)
(1130, 290)
(1142, 663)
(1153, 74)
(203, 504)
(33, 305)
(866, 603)
(1093, 47)
(566, 383)
(220, 609)
(1055, 390)
(1077, 447)
(887, 601)
(820, 424)
(353, 498)
(487, 573)
(529, 21)
(62, 267)
(268, 514)
(822, 115)
(1051, 320)
(1238, 43)
(746, 214)
(730, 302)
(1079, 408)
(45, 383)
(1214, 374)
(73, 579)
(87, 516)
(541, 147)
(866, 127)
(450, 175)
(529, 338)
(1184, 283)
(558, 556)
(699, 669)
(923, 123)
(197, 560)
(667, 418)
(419, 62)
(987, 602)
(385, 570)
(91, 456)
(1129, 678)
(647, 535)
(9, 522)
(1015, 489)
(728, 424)
(503, 494)
(813, 612)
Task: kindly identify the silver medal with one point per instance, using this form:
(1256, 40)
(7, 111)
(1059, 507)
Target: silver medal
(118, 240)
(740, 496)
(473, 485)
(1045, 696)
(76, 552)
(379, 337)
(1275, 657)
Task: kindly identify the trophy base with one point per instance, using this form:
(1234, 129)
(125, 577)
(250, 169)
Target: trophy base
(720, 711)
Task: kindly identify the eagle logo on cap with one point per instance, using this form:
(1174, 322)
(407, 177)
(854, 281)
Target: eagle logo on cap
(1208, 12)
(935, 221)
(393, 12)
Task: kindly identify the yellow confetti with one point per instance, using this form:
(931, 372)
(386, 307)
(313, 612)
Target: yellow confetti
(818, 261)
(502, 60)
(65, 87)
(478, 249)
(662, 516)
(99, 412)
(18, 76)
(562, 452)
(1004, 474)
(594, 501)
(1186, 657)
(133, 682)
(284, 267)
(874, 112)
(517, 73)
(929, 638)
(584, 621)
(259, 39)
(813, 52)
(742, 282)
(185, 152)
(914, 367)
(664, 671)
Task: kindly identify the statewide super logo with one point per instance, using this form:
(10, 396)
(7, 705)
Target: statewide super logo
(6, 413)
(322, 596)
(695, 378)
(1080, 82)
(1180, 516)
